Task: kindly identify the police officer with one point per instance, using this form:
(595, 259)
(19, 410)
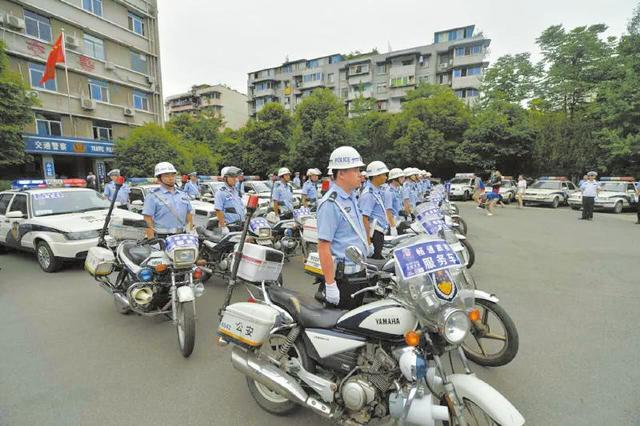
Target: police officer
(371, 203)
(296, 180)
(191, 187)
(427, 183)
(393, 198)
(309, 189)
(240, 184)
(340, 226)
(167, 209)
(408, 187)
(110, 190)
(282, 192)
(228, 204)
(589, 189)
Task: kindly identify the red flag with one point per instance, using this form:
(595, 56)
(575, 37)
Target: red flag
(56, 55)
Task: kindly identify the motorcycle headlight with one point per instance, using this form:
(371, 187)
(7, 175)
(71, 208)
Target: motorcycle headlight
(264, 232)
(184, 256)
(456, 326)
(84, 235)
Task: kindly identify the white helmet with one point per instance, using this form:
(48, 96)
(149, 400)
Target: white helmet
(232, 171)
(329, 171)
(428, 174)
(314, 172)
(164, 167)
(363, 173)
(283, 171)
(395, 173)
(376, 168)
(345, 157)
(409, 171)
(423, 172)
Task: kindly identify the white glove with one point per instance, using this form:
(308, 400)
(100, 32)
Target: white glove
(371, 250)
(224, 230)
(193, 231)
(393, 231)
(332, 293)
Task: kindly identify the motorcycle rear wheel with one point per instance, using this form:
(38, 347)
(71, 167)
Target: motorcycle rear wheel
(186, 327)
(485, 330)
(267, 399)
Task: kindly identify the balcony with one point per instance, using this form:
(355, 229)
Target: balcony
(402, 71)
(468, 60)
(397, 92)
(359, 79)
(355, 94)
(261, 93)
(180, 108)
(311, 84)
(472, 81)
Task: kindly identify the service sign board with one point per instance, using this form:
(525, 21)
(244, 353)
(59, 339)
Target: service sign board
(301, 212)
(425, 257)
(431, 224)
(428, 209)
(258, 223)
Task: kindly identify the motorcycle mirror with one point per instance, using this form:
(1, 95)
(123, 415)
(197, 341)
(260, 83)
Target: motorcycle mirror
(354, 254)
(120, 180)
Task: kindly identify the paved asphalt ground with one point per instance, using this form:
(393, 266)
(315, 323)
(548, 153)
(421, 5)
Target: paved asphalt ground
(68, 358)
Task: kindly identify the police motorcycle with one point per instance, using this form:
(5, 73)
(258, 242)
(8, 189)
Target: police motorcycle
(153, 276)
(381, 361)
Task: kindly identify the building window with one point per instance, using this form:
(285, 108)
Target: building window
(287, 68)
(314, 63)
(102, 131)
(345, 93)
(93, 47)
(93, 6)
(36, 71)
(330, 77)
(139, 62)
(402, 81)
(140, 101)
(472, 93)
(382, 88)
(312, 77)
(48, 125)
(382, 69)
(37, 26)
(136, 24)
(474, 71)
(359, 69)
(99, 90)
(423, 79)
(407, 62)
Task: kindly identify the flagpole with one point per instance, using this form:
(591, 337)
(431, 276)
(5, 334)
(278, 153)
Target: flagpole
(66, 75)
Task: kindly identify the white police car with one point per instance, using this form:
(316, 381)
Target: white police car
(508, 189)
(549, 190)
(139, 189)
(208, 189)
(462, 186)
(616, 194)
(57, 223)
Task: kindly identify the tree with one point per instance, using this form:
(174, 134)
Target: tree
(202, 127)
(512, 78)
(372, 133)
(15, 113)
(264, 140)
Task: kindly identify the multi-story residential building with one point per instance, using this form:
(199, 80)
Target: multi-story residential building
(456, 58)
(218, 99)
(113, 69)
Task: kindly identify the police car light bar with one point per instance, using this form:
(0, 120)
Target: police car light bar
(617, 178)
(552, 178)
(465, 175)
(48, 183)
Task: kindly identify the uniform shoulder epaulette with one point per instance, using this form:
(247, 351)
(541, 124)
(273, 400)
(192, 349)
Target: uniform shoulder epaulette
(223, 188)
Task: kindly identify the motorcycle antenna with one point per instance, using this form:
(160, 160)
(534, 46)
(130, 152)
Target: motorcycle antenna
(252, 205)
(119, 182)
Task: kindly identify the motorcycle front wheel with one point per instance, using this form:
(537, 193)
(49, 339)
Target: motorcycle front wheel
(493, 340)
(186, 327)
(473, 416)
(471, 255)
(462, 225)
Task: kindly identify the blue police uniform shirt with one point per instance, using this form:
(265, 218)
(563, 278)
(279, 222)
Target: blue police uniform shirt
(589, 189)
(309, 190)
(296, 180)
(123, 193)
(192, 190)
(393, 199)
(371, 205)
(283, 194)
(240, 188)
(168, 209)
(227, 198)
(410, 193)
(336, 229)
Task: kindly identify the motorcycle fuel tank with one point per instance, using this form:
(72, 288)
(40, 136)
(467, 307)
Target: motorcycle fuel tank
(386, 319)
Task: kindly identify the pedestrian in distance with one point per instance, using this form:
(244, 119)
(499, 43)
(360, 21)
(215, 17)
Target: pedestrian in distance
(91, 180)
(590, 190)
(296, 180)
(521, 189)
(191, 187)
(110, 190)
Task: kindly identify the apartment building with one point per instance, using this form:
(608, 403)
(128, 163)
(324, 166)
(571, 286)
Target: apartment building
(456, 58)
(113, 68)
(218, 99)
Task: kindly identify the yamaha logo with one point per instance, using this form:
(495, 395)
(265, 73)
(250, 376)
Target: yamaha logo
(387, 321)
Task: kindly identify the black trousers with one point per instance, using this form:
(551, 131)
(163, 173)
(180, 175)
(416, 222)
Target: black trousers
(347, 284)
(378, 241)
(587, 207)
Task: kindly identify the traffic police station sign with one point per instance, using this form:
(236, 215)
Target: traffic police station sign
(425, 257)
(66, 146)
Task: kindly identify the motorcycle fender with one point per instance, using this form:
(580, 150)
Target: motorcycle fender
(460, 236)
(487, 398)
(479, 294)
(185, 294)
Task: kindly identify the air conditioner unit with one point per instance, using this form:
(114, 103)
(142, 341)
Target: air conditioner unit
(150, 79)
(72, 41)
(14, 22)
(88, 103)
(109, 66)
(129, 112)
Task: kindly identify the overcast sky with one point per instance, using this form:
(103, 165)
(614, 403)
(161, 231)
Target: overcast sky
(220, 41)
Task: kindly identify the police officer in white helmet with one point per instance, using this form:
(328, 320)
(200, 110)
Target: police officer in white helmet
(340, 225)
(283, 192)
(371, 204)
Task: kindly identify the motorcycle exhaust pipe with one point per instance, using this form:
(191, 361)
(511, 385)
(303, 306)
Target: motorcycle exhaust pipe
(121, 301)
(269, 375)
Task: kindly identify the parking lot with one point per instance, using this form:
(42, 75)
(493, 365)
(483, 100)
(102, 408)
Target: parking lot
(67, 357)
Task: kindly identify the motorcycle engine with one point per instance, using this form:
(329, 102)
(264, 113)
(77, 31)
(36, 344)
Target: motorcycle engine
(357, 393)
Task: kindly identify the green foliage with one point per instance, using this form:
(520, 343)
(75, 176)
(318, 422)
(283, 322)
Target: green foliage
(202, 127)
(512, 78)
(15, 113)
(146, 146)
(264, 141)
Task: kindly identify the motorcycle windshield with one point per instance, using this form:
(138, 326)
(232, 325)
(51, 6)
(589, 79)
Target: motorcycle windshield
(429, 276)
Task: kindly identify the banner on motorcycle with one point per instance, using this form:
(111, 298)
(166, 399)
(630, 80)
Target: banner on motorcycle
(432, 225)
(257, 223)
(301, 212)
(424, 258)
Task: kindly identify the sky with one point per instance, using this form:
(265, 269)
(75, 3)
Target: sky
(221, 41)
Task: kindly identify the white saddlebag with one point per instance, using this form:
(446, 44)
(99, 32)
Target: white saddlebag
(260, 263)
(247, 324)
(310, 230)
(99, 261)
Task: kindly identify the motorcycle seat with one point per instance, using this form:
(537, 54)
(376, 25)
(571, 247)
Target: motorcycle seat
(305, 309)
(136, 253)
(214, 237)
